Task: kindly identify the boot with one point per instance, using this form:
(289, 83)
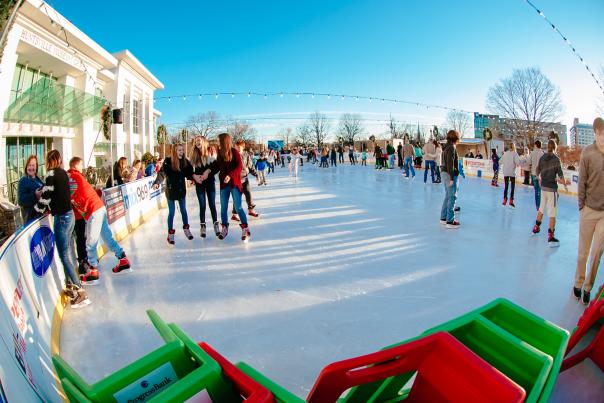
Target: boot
(187, 232)
(235, 217)
(216, 228)
(171, 233)
(91, 277)
(245, 232)
(225, 231)
(123, 266)
(202, 232)
(251, 211)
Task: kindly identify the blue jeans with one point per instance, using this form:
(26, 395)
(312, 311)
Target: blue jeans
(537, 187)
(225, 194)
(97, 227)
(182, 205)
(409, 165)
(447, 213)
(391, 161)
(431, 166)
(63, 228)
(208, 191)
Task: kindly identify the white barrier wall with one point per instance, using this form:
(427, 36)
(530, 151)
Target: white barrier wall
(31, 280)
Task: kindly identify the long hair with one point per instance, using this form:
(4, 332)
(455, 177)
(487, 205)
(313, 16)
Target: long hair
(53, 159)
(226, 147)
(174, 160)
(552, 146)
(513, 147)
(122, 164)
(31, 157)
(199, 155)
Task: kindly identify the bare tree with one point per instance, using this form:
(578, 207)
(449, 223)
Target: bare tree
(529, 100)
(350, 127)
(304, 135)
(240, 129)
(319, 126)
(205, 124)
(458, 120)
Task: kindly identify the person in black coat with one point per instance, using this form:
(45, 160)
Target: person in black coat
(201, 160)
(175, 171)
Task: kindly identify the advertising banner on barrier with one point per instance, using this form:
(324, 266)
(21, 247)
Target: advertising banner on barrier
(114, 202)
(31, 282)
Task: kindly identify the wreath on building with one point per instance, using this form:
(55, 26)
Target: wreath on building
(106, 120)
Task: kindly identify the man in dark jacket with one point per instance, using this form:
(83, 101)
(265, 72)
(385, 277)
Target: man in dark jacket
(248, 168)
(449, 171)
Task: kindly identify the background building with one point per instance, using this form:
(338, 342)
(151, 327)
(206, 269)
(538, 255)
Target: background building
(581, 134)
(500, 127)
(54, 80)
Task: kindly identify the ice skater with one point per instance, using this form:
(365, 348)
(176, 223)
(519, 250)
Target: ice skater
(248, 168)
(408, 155)
(534, 158)
(449, 171)
(364, 157)
(509, 162)
(438, 159)
(229, 167)
(201, 159)
(495, 159)
(333, 156)
(175, 170)
(88, 205)
(294, 163)
(548, 168)
(261, 166)
(270, 159)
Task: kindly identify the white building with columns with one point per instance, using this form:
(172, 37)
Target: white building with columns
(53, 81)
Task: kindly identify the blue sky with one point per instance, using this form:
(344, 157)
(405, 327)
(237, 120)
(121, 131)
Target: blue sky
(440, 52)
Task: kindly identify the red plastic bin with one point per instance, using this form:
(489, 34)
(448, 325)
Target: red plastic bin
(595, 350)
(250, 390)
(446, 371)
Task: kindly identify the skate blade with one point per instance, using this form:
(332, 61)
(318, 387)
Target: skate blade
(91, 282)
(128, 270)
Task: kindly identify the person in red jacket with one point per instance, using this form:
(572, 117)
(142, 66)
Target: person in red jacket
(87, 204)
(229, 166)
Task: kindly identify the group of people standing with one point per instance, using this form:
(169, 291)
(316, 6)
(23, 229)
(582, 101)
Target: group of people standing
(77, 210)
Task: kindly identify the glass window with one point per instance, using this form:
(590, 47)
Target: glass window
(135, 116)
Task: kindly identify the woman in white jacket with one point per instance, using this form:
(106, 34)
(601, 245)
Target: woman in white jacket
(509, 162)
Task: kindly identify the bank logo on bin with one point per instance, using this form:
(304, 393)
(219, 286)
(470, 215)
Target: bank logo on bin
(145, 384)
(42, 250)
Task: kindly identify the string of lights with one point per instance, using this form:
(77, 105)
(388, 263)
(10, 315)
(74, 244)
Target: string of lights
(570, 45)
(282, 94)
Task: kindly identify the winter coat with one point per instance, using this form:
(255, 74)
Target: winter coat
(450, 163)
(389, 149)
(55, 193)
(495, 159)
(548, 168)
(150, 169)
(509, 162)
(408, 151)
(176, 187)
(429, 151)
(232, 168)
(534, 158)
(261, 164)
(210, 182)
(84, 198)
(26, 196)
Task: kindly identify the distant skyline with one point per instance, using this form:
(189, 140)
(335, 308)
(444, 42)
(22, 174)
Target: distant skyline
(437, 52)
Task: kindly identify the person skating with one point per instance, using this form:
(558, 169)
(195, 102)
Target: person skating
(261, 166)
(333, 157)
(399, 155)
(296, 158)
(378, 157)
(438, 159)
(340, 154)
(509, 162)
(525, 166)
(88, 205)
(364, 157)
(229, 167)
(534, 158)
(56, 198)
(175, 170)
(248, 168)
(351, 155)
(201, 159)
(324, 157)
(270, 159)
(449, 171)
(408, 155)
(495, 159)
(429, 156)
(591, 213)
(548, 168)
(390, 152)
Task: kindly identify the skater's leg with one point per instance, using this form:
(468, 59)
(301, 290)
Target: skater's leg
(506, 180)
(237, 204)
(211, 194)
(537, 188)
(451, 206)
(432, 170)
(171, 208)
(80, 231)
(513, 181)
(201, 198)
(224, 205)
(107, 235)
(63, 227)
(182, 206)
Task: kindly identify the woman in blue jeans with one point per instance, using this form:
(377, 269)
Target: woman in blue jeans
(200, 160)
(175, 170)
(56, 197)
(229, 167)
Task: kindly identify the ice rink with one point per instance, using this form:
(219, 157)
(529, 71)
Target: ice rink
(341, 263)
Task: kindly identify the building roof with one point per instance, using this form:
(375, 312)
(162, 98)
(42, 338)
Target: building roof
(132, 61)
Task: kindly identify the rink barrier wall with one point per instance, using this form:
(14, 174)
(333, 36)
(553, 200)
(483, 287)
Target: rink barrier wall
(31, 281)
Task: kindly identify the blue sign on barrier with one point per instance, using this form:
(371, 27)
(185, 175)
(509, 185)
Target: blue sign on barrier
(41, 250)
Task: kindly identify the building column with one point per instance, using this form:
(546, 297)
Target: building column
(7, 71)
(85, 133)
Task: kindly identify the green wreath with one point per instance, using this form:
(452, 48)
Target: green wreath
(487, 134)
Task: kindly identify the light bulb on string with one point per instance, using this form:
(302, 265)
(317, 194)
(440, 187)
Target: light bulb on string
(184, 98)
(265, 96)
(233, 95)
(199, 96)
(313, 96)
(297, 95)
(249, 94)
(216, 96)
(169, 99)
(328, 96)
(342, 97)
(370, 99)
(281, 95)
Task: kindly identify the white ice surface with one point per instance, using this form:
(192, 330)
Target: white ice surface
(341, 263)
